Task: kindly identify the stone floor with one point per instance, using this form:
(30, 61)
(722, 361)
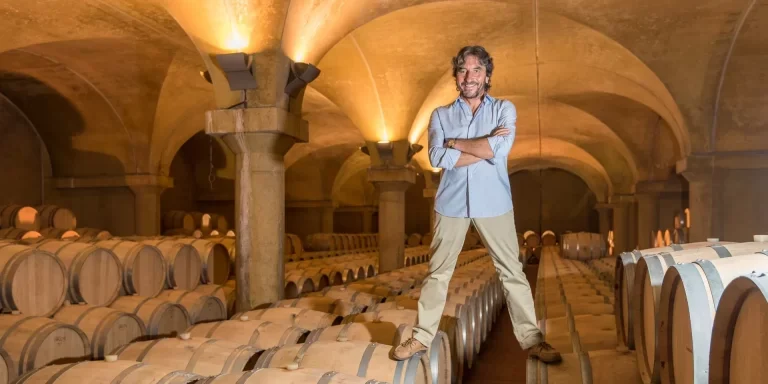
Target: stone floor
(501, 361)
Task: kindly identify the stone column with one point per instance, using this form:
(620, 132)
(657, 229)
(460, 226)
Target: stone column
(147, 190)
(647, 218)
(429, 195)
(604, 215)
(368, 220)
(622, 237)
(260, 138)
(391, 184)
(327, 221)
(699, 172)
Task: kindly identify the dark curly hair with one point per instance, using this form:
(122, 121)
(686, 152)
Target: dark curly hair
(482, 55)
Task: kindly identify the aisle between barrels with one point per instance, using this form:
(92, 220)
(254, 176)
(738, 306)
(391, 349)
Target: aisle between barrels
(501, 359)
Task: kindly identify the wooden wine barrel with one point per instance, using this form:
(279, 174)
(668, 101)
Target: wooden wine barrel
(649, 275)
(690, 296)
(59, 234)
(202, 220)
(95, 274)
(296, 285)
(19, 216)
(193, 354)
(89, 234)
(624, 278)
(53, 216)
(322, 304)
(531, 239)
(548, 238)
(178, 220)
(739, 335)
(320, 242)
(201, 308)
(161, 318)
(219, 223)
(352, 296)
(362, 358)
(573, 333)
(296, 376)
(439, 351)
(226, 294)
(593, 367)
(7, 371)
(414, 240)
(19, 234)
(22, 268)
(215, 259)
(261, 334)
(298, 317)
(144, 267)
(109, 371)
(184, 263)
(33, 342)
(107, 329)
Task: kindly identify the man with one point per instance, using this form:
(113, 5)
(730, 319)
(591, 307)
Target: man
(470, 140)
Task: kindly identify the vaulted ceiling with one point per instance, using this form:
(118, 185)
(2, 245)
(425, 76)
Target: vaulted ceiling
(613, 91)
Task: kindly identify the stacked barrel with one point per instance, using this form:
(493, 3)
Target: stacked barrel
(18, 222)
(574, 308)
(195, 224)
(583, 245)
(695, 312)
(342, 334)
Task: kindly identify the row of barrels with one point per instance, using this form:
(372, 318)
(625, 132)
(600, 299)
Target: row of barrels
(184, 223)
(290, 339)
(583, 245)
(531, 239)
(97, 273)
(315, 275)
(575, 314)
(36, 218)
(683, 309)
(341, 241)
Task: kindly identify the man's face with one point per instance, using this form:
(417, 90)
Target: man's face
(471, 78)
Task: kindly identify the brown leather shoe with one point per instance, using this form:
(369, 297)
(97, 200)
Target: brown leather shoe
(407, 349)
(545, 353)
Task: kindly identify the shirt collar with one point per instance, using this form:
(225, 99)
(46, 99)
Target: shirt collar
(486, 98)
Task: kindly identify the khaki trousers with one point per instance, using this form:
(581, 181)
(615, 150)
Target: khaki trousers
(498, 234)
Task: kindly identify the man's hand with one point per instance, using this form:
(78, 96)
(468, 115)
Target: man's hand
(500, 131)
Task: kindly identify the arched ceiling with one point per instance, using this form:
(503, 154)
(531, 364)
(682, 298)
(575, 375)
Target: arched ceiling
(645, 76)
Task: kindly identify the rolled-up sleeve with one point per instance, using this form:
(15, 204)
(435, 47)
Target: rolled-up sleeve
(439, 155)
(501, 145)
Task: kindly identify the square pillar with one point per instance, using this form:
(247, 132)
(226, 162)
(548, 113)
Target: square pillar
(260, 138)
(147, 190)
(699, 171)
(391, 183)
(604, 212)
(622, 228)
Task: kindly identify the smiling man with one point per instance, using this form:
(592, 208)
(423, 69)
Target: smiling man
(470, 140)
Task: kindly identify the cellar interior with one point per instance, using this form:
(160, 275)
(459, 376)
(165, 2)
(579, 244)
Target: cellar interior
(240, 191)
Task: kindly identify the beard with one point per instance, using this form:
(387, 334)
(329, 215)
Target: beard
(472, 92)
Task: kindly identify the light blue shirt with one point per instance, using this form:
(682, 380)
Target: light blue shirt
(480, 189)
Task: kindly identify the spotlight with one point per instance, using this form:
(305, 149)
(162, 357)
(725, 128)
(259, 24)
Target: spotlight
(385, 150)
(237, 69)
(301, 75)
(413, 150)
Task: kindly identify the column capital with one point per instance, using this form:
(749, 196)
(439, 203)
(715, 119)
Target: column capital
(696, 168)
(130, 181)
(247, 124)
(400, 177)
(603, 207)
(656, 187)
(622, 199)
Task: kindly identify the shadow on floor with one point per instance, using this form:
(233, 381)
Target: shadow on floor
(501, 360)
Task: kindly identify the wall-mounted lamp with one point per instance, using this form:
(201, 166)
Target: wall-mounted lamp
(413, 149)
(237, 69)
(301, 75)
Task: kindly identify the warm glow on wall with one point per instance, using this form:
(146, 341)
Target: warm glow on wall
(235, 41)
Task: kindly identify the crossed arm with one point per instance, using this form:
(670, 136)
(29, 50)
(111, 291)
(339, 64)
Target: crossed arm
(469, 151)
